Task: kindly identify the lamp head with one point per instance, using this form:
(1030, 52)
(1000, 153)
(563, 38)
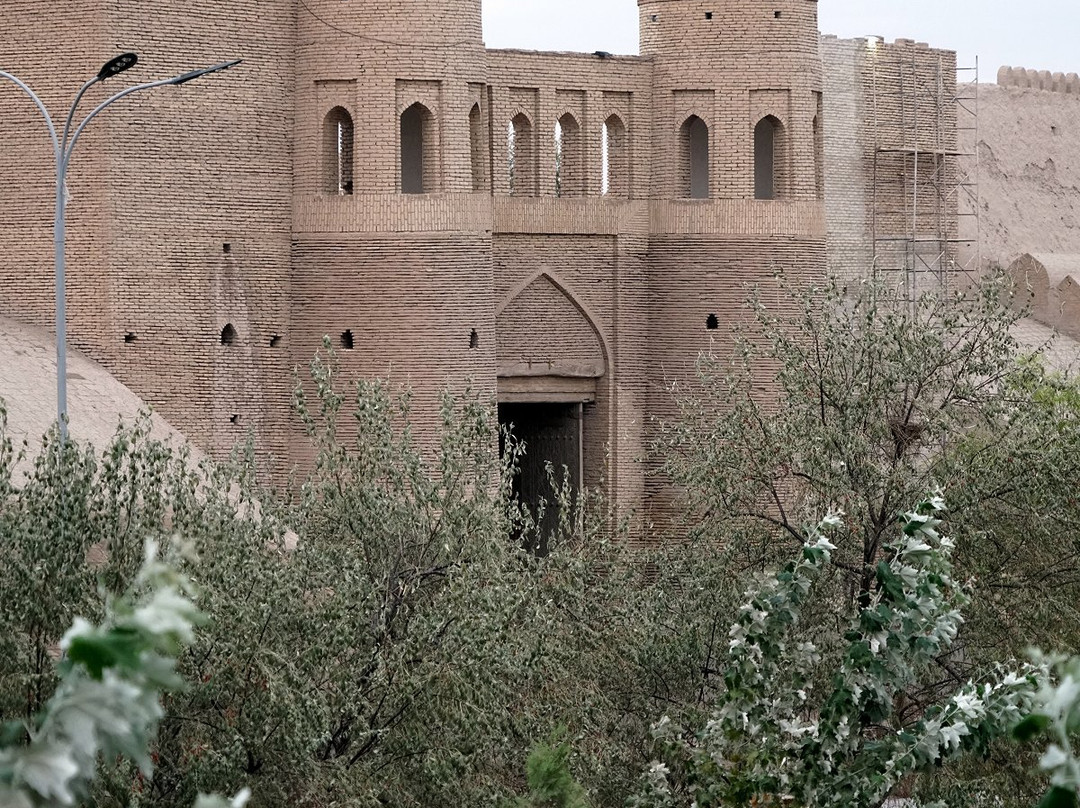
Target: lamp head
(117, 65)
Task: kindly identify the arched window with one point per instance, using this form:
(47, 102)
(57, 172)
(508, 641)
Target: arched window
(476, 149)
(694, 158)
(616, 158)
(819, 159)
(521, 156)
(338, 152)
(769, 158)
(569, 157)
(419, 161)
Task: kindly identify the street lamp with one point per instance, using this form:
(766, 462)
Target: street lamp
(62, 149)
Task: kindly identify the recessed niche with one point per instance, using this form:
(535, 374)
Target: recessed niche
(275, 340)
(228, 334)
(708, 15)
(130, 337)
(712, 323)
(474, 340)
(226, 248)
(347, 340)
(776, 14)
(234, 419)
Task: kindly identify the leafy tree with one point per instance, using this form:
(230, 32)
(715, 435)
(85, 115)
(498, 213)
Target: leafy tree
(107, 703)
(776, 736)
(1056, 715)
(876, 400)
(551, 784)
(376, 637)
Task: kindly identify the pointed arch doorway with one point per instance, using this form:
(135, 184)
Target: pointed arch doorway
(551, 361)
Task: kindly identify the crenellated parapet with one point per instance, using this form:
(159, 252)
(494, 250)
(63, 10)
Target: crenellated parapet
(1046, 287)
(1025, 79)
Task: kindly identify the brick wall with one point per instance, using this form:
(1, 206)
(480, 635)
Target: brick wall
(266, 205)
(161, 183)
(892, 158)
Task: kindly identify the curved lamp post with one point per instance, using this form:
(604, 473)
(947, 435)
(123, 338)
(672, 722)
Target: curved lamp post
(63, 146)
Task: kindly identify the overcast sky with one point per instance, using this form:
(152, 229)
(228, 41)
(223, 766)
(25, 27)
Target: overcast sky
(1037, 34)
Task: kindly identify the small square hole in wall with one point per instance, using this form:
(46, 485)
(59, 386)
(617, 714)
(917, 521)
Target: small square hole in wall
(712, 323)
(275, 340)
(226, 248)
(130, 337)
(776, 14)
(654, 17)
(708, 15)
(234, 419)
(474, 340)
(347, 340)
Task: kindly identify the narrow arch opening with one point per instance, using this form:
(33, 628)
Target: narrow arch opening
(819, 150)
(712, 322)
(477, 151)
(346, 341)
(764, 159)
(474, 340)
(569, 157)
(338, 137)
(228, 334)
(768, 158)
(418, 158)
(521, 156)
(694, 158)
(616, 158)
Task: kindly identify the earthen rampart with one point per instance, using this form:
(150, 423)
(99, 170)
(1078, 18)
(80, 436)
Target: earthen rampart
(1028, 139)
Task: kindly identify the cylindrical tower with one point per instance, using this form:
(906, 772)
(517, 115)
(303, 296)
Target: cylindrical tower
(392, 207)
(737, 176)
(370, 62)
(733, 65)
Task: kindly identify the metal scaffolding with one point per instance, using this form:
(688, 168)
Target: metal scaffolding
(925, 212)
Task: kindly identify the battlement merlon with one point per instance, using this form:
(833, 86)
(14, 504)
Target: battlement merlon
(1024, 79)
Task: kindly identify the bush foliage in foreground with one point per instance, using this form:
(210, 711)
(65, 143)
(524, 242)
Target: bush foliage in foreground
(406, 653)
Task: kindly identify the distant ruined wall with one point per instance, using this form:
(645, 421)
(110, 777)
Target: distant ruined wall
(1028, 147)
(1039, 80)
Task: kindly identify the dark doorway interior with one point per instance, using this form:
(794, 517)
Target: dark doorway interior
(551, 433)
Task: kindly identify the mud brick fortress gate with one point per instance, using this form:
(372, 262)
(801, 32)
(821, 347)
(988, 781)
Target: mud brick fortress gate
(565, 232)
